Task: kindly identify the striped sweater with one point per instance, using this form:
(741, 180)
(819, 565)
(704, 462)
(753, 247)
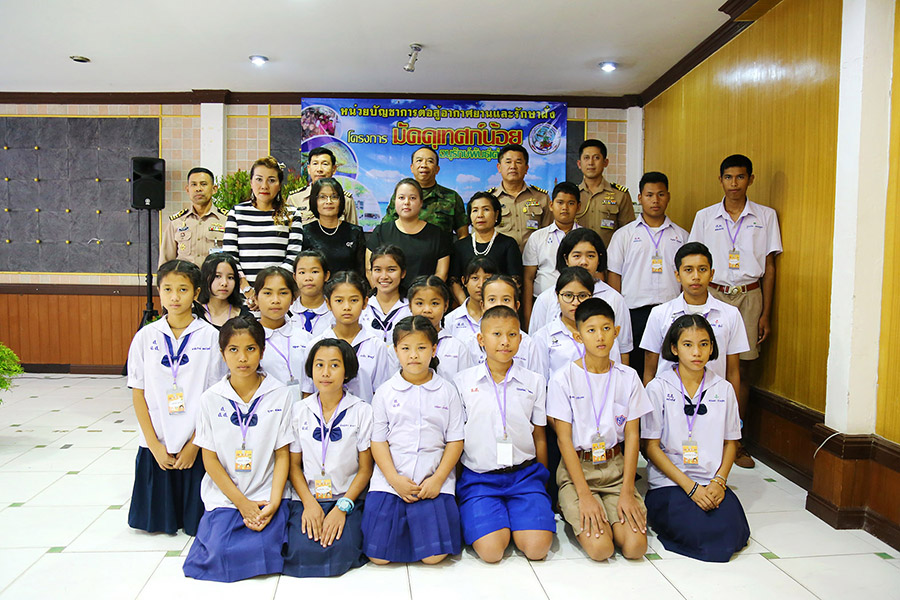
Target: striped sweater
(252, 238)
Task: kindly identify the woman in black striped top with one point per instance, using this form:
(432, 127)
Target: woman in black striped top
(262, 231)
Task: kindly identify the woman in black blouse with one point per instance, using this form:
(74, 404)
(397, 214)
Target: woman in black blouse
(342, 243)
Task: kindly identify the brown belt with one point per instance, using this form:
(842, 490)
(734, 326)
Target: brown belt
(611, 453)
(730, 290)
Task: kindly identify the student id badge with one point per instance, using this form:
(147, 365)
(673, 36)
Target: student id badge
(598, 449)
(323, 488)
(504, 452)
(243, 460)
(294, 389)
(690, 452)
(175, 400)
(531, 224)
(734, 260)
(607, 224)
(656, 264)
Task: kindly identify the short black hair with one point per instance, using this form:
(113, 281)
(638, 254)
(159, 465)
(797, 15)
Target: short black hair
(316, 189)
(593, 307)
(208, 275)
(429, 281)
(349, 277)
(181, 267)
(674, 334)
(240, 323)
(692, 248)
(512, 148)
(566, 187)
(484, 263)
(502, 279)
(736, 160)
(348, 356)
(312, 253)
(575, 237)
(653, 177)
(569, 274)
(201, 170)
(320, 151)
(437, 157)
(276, 271)
(499, 312)
(495, 203)
(592, 143)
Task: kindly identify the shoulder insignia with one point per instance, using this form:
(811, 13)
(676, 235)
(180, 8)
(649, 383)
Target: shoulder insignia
(492, 190)
(621, 188)
(540, 189)
(179, 214)
(348, 194)
(224, 213)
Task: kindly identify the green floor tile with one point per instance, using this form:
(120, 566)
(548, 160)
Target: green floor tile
(41, 446)
(115, 448)
(56, 550)
(72, 473)
(114, 507)
(16, 504)
(173, 553)
(770, 480)
(652, 556)
(884, 555)
(769, 555)
(82, 427)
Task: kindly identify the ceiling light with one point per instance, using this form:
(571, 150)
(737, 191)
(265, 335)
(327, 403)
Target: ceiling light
(410, 66)
(608, 67)
(258, 59)
(80, 59)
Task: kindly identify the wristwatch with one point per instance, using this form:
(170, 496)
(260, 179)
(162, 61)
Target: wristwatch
(246, 289)
(345, 505)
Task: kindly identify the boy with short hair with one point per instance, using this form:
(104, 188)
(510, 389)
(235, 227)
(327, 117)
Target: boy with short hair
(595, 406)
(746, 237)
(638, 255)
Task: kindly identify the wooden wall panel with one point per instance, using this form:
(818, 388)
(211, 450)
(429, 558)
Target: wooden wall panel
(772, 94)
(888, 421)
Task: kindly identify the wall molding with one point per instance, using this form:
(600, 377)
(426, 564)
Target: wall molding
(65, 289)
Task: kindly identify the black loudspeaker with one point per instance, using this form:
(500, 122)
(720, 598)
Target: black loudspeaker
(148, 183)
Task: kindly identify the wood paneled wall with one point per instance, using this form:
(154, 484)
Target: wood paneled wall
(772, 94)
(888, 422)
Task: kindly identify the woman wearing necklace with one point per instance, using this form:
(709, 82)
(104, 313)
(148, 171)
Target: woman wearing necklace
(484, 214)
(342, 243)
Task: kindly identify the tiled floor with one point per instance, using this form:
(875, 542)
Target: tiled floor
(67, 448)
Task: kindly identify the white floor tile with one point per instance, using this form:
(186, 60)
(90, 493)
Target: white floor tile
(656, 546)
(94, 576)
(875, 542)
(70, 417)
(110, 532)
(752, 577)
(369, 582)
(54, 458)
(8, 453)
(14, 562)
(22, 487)
(113, 462)
(44, 527)
(793, 534)
(31, 435)
(85, 490)
(99, 436)
(565, 579)
(168, 582)
(842, 577)
(759, 495)
(511, 579)
(565, 545)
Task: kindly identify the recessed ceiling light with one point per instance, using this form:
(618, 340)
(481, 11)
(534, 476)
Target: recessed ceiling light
(80, 59)
(608, 67)
(258, 59)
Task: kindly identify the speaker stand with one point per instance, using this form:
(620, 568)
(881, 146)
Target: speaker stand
(150, 313)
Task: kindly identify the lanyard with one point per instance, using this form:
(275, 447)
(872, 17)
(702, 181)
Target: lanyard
(657, 239)
(244, 424)
(326, 435)
(737, 230)
(175, 358)
(691, 418)
(502, 407)
(287, 358)
(587, 378)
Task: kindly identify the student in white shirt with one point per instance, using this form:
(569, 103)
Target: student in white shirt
(597, 422)
(501, 489)
(244, 429)
(539, 255)
(501, 290)
(639, 255)
(387, 268)
(345, 294)
(170, 363)
(331, 465)
(691, 440)
(462, 322)
(309, 309)
(411, 513)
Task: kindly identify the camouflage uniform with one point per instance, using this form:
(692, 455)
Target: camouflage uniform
(441, 207)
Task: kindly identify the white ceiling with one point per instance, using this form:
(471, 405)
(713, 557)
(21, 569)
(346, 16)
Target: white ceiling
(527, 47)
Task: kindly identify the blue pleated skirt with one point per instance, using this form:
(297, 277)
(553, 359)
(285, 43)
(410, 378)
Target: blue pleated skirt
(225, 550)
(399, 532)
(304, 557)
(685, 528)
(165, 500)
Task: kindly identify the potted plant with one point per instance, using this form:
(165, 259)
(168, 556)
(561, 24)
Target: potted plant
(235, 188)
(9, 368)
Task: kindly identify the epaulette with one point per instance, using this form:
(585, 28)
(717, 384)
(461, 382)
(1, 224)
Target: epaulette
(540, 189)
(179, 214)
(222, 212)
(348, 194)
(621, 188)
(492, 190)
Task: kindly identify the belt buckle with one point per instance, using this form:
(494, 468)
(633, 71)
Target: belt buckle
(734, 290)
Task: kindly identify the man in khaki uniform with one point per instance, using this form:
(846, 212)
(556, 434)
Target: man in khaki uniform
(322, 163)
(191, 234)
(605, 206)
(524, 208)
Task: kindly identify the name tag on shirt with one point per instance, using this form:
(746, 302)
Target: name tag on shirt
(175, 399)
(734, 260)
(504, 452)
(691, 452)
(243, 460)
(607, 224)
(598, 449)
(293, 387)
(323, 488)
(656, 265)
(531, 224)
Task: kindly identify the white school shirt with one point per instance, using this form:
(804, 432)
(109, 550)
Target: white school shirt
(546, 308)
(417, 421)
(321, 322)
(453, 356)
(147, 372)
(464, 329)
(375, 365)
(540, 251)
(461, 325)
(293, 342)
(373, 318)
(526, 400)
(353, 418)
(630, 254)
(558, 348)
(668, 424)
(726, 322)
(570, 399)
(758, 237)
(216, 432)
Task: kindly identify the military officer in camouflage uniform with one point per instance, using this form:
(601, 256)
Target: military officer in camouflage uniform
(191, 234)
(605, 206)
(321, 164)
(441, 206)
(524, 208)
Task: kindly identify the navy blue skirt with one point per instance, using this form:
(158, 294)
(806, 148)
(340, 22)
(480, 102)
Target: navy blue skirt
(225, 550)
(399, 532)
(304, 557)
(165, 500)
(685, 528)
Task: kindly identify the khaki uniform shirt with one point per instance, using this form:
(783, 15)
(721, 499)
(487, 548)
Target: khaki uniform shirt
(524, 214)
(188, 236)
(605, 211)
(441, 206)
(300, 199)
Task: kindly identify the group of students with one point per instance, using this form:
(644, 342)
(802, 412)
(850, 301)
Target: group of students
(360, 420)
